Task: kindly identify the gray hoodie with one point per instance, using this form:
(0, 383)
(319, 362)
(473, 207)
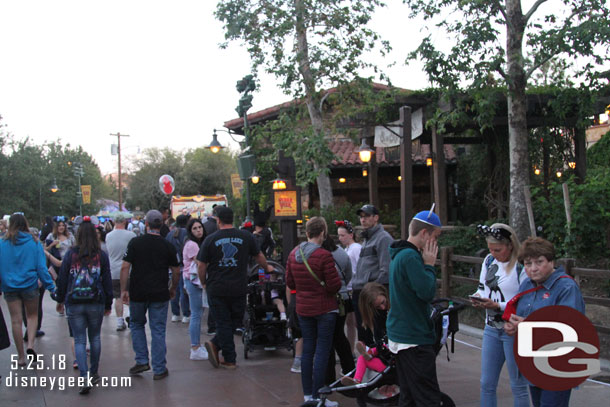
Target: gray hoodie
(344, 266)
(374, 261)
(308, 248)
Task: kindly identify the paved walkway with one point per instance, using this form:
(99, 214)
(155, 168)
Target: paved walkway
(262, 380)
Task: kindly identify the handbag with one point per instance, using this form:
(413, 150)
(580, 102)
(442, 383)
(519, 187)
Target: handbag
(194, 275)
(340, 302)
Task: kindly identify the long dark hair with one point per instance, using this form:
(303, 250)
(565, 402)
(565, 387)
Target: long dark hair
(329, 244)
(16, 223)
(190, 235)
(87, 241)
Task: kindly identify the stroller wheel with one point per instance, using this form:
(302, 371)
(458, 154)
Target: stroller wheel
(446, 401)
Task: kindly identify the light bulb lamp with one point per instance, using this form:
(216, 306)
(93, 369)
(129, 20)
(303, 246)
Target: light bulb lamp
(400, 178)
(278, 184)
(558, 173)
(365, 172)
(572, 164)
(537, 171)
(365, 152)
(342, 180)
(54, 187)
(215, 146)
(255, 178)
(429, 162)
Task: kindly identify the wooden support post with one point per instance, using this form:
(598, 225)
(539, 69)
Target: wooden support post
(440, 175)
(446, 271)
(580, 153)
(406, 172)
(373, 168)
(566, 203)
(569, 264)
(530, 211)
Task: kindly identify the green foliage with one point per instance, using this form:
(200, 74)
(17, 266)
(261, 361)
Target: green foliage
(336, 38)
(27, 172)
(346, 211)
(599, 154)
(196, 172)
(586, 238)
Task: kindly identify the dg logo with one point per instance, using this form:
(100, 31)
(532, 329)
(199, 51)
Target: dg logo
(557, 348)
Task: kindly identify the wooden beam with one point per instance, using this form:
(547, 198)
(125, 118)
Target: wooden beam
(580, 147)
(373, 169)
(440, 175)
(406, 172)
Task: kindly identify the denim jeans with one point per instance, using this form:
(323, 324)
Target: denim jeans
(86, 319)
(194, 293)
(181, 300)
(157, 314)
(547, 398)
(228, 313)
(317, 342)
(497, 348)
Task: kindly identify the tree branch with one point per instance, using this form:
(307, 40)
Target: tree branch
(539, 64)
(533, 10)
(502, 10)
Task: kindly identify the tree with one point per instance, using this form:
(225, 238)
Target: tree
(570, 30)
(307, 45)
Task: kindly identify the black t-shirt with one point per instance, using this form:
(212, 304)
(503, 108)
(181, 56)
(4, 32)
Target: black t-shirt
(150, 256)
(227, 254)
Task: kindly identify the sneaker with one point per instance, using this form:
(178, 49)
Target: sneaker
(39, 333)
(121, 327)
(361, 348)
(127, 321)
(135, 369)
(211, 332)
(296, 366)
(84, 389)
(75, 364)
(199, 354)
(212, 353)
(239, 331)
(186, 320)
(160, 376)
(176, 318)
(228, 365)
(95, 379)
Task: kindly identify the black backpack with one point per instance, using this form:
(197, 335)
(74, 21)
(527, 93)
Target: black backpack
(85, 280)
(443, 307)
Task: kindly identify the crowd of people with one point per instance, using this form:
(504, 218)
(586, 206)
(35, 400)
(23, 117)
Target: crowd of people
(366, 303)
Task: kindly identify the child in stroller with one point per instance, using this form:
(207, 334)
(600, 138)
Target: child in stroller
(374, 381)
(266, 325)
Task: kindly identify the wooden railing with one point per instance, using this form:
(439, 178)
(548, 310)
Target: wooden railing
(447, 258)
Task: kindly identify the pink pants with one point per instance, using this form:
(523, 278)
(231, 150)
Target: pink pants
(362, 364)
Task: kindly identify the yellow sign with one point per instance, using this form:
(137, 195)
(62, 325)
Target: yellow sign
(86, 191)
(286, 203)
(237, 184)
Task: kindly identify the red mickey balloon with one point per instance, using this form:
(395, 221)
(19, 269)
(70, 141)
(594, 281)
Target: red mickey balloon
(166, 183)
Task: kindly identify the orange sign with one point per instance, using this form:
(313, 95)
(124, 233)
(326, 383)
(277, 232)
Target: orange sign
(286, 203)
(86, 190)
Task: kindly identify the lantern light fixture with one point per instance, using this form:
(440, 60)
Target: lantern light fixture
(278, 184)
(365, 152)
(215, 146)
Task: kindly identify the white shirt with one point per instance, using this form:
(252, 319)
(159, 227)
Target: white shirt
(353, 252)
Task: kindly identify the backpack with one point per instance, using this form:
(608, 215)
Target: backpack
(445, 327)
(177, 238)
(85, 280)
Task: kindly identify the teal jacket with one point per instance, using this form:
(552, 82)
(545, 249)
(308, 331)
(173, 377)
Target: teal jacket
(412, 287)
(22, 264)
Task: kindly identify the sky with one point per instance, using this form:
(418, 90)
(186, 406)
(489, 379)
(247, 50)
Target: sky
(77, 71)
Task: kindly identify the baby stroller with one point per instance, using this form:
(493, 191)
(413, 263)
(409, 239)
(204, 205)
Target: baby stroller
(369, 390)
(263, 327)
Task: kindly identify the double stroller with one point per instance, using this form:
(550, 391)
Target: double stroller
(264, 329)
(381, 389)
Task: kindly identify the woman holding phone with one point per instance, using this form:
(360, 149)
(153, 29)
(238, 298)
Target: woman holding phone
(498, 283)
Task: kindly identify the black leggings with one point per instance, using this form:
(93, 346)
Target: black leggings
(342, 347)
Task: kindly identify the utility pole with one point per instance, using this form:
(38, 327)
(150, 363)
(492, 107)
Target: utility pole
(118, 136)
(245, 86)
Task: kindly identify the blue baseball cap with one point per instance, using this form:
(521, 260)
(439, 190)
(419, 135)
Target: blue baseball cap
(429, 217)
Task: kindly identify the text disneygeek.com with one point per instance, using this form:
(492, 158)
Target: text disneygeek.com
(25, 375)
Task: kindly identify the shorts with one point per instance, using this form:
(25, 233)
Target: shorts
(116, 288)
(293, 319)
(27, 295)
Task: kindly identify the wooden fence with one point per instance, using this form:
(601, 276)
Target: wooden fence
(447, 258)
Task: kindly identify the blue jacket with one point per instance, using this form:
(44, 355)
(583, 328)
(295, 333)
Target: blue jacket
(556, 291)
(22, 264)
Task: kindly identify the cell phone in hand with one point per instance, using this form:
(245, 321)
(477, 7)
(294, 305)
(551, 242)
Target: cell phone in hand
(476, 298)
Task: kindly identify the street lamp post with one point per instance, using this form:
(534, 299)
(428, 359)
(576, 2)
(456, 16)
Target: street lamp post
(78, 173)
(245, 86)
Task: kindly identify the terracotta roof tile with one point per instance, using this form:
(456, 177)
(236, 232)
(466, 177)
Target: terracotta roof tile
(346, 153)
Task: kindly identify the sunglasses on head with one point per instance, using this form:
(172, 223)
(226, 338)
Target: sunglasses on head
(59, 219)
(496, 233)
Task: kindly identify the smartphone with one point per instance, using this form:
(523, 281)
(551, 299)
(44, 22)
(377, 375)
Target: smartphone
(476, 298)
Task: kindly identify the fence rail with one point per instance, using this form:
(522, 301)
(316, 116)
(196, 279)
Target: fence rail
(447, 258)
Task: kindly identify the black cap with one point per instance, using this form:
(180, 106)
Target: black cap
(368, 209)
(182, 220)
(224, 214)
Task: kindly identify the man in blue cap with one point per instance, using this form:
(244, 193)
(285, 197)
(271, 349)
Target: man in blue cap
(410, 331)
